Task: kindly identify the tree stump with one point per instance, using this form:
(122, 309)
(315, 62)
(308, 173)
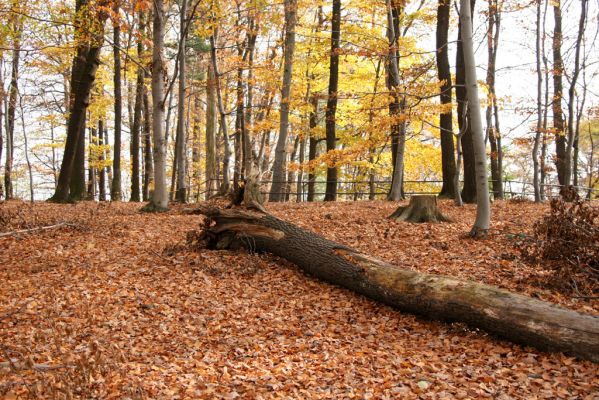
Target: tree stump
(422, 208)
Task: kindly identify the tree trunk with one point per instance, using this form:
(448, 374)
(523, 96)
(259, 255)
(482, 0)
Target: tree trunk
(312, 147)
(556, 104)
(77, 184)
(102, 178)
(147, 151)
(223, 118)
(331, 110)
(422, 208)
(397, 105)
(136, 126)
(2, 100)
(510, 316)
(83, 75)
(92, 161)
(181, 141)
(570, 139)
(211, 124)
(17, 27)
(277, 192)
(115, 186)
(483, 208)
(445, 116)
(537, 141)
(468, 194)
(493, 133)
(159, 198)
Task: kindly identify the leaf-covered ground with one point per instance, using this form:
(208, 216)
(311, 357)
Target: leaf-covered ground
(115, 306)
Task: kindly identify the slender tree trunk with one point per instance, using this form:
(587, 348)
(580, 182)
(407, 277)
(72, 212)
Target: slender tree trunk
(83, 74)
(115, 188)
(299, 188)
(159, 198)
(493, 133)
(223, 117)
(91, 161)
(397, 107)
(102, 180)
(278, 176)
(445, 117)
(538, 137)
(181, 194)
(558, 116)
(572, 96)
(147, 142)
(291, 173)
(211, 124)
(331, 110)
(313, 147)
(483, 209)
(542, 163)
(26, 149)
(136, 126)
(13, 91)
(2, 101)
(469, 190)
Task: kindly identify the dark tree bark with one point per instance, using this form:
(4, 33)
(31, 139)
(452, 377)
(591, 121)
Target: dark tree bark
(469, 189)
(83, 75)
(77, 185)
(277, 191)
(511, 316)
(115, 187)
(445, 117)
(492, 118)
(331, 110)
(558, 88)
(102, 172)
(312, 147)
(136, 126)
(91, 180)
(181, 140)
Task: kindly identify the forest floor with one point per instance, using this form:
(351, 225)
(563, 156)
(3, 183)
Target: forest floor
(115, 306)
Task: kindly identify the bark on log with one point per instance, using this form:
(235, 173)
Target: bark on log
(422, 208)
(511, 316)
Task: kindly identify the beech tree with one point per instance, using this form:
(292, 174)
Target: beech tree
(483, 207)
(159, 197)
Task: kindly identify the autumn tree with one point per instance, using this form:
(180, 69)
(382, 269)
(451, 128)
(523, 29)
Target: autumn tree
(90, 18)
(276, 191)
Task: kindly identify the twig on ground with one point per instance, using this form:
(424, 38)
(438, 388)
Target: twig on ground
(39, 228)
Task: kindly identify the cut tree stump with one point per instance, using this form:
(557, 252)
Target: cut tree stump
(422, 208)
(511, 316)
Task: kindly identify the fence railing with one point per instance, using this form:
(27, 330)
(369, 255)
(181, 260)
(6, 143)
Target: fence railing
(356, 190)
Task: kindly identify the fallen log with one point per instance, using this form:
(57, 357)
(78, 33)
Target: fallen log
(511, 316)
